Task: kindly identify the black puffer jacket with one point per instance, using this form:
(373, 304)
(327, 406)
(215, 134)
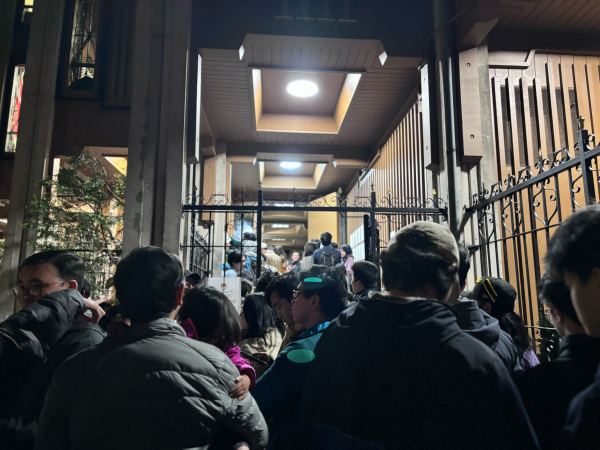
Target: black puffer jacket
(486, 329)
(150, 388)
(26, 336)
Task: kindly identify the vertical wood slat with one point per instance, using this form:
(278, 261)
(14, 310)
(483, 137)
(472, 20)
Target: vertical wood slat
(515, 160)
(551, 76)
(567, 84)
(538, 83)
(593, 77)
(582, 91)
(500, 142)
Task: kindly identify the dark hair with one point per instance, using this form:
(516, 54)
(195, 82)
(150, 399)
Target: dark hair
(575, 247)
(146, 283)
(513, 324)
(347, 249)
(234, 257)
(332, 290)
(309, 248)
(85, 288)
(213, 316)
(259, 316)
(326, 238)
(556, 293)
(68, 266)
(246, 287)
(193, 278)
(407, 268)
(284, 285)
(334, 245)
(249, 236)
(367, 273)
(464, 264)
(263, 281)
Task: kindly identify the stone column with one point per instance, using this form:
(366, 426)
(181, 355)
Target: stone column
(35, 136)
(157, 135)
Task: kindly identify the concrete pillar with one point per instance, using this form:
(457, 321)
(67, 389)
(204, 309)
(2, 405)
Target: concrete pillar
(35, 136)
(220, 218)
(157, 135)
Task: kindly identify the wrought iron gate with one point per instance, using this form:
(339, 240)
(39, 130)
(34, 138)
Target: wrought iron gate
(219, 214)
(515, 218)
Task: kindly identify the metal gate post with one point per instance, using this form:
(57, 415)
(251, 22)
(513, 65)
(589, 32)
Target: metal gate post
(373, 230)
(259, 233)
(587, 175)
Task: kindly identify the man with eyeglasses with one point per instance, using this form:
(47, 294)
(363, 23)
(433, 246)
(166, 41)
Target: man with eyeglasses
(50, 327)
(319, 298)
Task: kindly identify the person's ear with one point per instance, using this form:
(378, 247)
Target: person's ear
(555, 315)
(72, 284)
(179, 295)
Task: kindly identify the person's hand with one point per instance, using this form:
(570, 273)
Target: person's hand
(94, 311)
(242, 385)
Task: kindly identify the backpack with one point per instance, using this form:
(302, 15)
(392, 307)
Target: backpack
(327, 258)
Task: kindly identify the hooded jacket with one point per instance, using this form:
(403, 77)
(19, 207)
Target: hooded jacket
(147, 389)
(483, 327)
(402, 374)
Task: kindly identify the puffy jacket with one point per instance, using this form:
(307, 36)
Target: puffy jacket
(26, 336)
(150, 388)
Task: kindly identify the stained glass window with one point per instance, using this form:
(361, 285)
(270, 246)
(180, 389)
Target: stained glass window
(84, 37)
(15, 109)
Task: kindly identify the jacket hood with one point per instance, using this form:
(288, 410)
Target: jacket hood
(429, 321)
(478, 323)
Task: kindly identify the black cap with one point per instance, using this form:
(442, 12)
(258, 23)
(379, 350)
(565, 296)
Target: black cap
(496, 291)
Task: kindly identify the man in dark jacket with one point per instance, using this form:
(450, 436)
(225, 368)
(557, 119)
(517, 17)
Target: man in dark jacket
(573, 257)
(548, 389)
(39, 276)
(478, 323)
(150, 387)
(398, 371)
(327, 255)
(319, 297)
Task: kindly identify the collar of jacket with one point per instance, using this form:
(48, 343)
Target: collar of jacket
(579, 346)
(162, 326)
(314, 330)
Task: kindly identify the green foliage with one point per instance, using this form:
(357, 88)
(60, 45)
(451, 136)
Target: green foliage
(81, 210)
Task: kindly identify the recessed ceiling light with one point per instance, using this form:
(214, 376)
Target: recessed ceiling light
(278, 239)
(302, 88)
(280, 225)
(290, 165)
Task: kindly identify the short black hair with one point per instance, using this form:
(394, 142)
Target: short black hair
(407, 269)
(68, 266)
(575, 246)
(326, 238)
(234, 257)
(259, 316)
(310, 247)
(284, 285)
(146, 283)
(367, 273)
(213, 315)
(557, 294)
(249, 236)
(332, 290)
(464, 264)
(263, 281)
(347, 249)
(246, 287)
(193, 278)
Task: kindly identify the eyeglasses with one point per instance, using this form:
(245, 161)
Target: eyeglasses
(33, 288)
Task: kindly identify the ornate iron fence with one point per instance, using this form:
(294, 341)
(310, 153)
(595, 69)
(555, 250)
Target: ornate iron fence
(516, 217)
(219, 214)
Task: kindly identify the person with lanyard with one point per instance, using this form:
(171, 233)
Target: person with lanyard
(318, 299)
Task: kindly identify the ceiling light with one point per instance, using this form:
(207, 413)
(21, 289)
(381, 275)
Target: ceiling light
(280, 225)
(290, 165)
(302, 88)
(278, 239)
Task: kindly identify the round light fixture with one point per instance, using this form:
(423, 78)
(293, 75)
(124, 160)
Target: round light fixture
(302, 88)
(290, 165)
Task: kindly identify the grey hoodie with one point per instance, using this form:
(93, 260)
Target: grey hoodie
(486, 329)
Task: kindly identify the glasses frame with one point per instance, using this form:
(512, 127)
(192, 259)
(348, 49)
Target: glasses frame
(35, 289)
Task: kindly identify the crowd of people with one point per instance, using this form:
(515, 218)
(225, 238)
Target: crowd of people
(325, 353)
